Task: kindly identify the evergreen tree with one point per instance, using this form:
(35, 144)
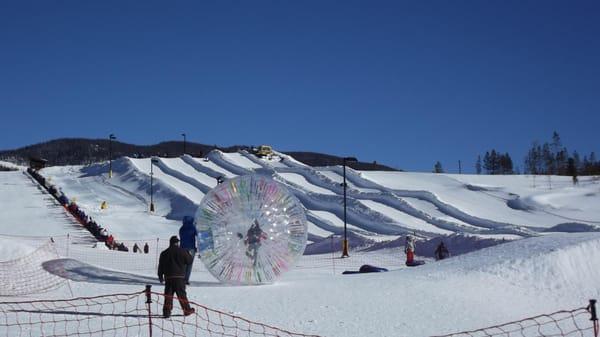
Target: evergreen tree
(577, 160)
(572, 170)
(495, 159)
(548, 159)
(497, 163)
(437, 168)
(562, 161)
(585, 165)
(593, 166)
(487, 162)
(556, 145)
(506, 164)
(491, 162)
(553, 158)
(478, 165)
(532, 160)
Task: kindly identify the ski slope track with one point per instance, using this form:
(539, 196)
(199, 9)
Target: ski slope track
(392, 198)
(357, 213)
(494, 226)
(372, 208)
(133, 180)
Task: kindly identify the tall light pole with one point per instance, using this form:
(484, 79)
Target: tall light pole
(110, 139)
(153, 161)
(183, 134)
(345, 243)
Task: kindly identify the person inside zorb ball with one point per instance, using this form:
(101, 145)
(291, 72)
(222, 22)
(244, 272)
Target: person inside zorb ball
(251, 229)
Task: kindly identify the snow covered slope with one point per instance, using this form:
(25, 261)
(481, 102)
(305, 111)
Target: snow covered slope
(379, 204)
(520, 278)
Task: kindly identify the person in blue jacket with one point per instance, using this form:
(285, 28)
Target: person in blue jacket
(188, 234)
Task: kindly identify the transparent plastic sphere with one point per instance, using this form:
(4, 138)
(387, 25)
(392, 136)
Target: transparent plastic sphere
(251, 229)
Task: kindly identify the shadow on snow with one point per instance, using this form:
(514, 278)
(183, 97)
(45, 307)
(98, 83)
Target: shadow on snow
(78, 271)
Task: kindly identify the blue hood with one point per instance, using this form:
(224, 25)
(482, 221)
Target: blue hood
(188, 233)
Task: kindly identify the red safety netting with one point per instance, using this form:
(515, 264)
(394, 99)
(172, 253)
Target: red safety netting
(136, 314)
(25, 275)
(571, 323)
(113, 315)
(210, 322)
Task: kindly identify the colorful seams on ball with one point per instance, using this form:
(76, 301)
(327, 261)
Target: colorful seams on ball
(251, 229)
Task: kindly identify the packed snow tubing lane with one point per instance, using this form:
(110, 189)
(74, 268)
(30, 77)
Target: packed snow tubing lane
(26, 276)
(388, 197)
(134, 314)
(581, 322)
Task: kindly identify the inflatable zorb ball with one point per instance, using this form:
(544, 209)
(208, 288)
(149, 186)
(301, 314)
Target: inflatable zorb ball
(251, 229)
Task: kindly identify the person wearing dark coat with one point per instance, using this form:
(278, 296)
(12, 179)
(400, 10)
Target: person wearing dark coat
(441, 252)
(171, 270)
(146, 248)
(253, 241)
(188, 233)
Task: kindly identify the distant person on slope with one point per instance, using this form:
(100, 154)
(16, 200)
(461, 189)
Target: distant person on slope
(171, 270)
(110, 242)
(409, 249)
(188, 234)
(441, 252)
(146, 248)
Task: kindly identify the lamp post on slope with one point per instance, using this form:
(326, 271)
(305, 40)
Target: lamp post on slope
(345, 243)
(153, 161)
(110, 139)
(183, 134)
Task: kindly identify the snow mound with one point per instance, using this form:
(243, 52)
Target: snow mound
(573, 227)
(552, 262)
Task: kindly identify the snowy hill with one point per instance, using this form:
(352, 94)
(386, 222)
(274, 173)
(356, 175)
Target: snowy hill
(380, 205)
(541, 267)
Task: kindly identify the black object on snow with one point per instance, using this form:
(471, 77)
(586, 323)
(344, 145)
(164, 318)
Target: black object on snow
(365, 268)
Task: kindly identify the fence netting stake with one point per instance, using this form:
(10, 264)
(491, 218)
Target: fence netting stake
(592, 309)
(148, 292)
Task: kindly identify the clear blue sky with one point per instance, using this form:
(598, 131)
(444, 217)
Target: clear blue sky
(402, 83)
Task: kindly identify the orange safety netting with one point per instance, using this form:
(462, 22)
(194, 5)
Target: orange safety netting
(135, 314)
(562, 323)
(25, 275)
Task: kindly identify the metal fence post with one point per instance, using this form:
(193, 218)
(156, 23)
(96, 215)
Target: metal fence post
(592, 309)
(148, 292)
(68, 244)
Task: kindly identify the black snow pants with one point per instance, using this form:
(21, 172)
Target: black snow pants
(175, 285)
